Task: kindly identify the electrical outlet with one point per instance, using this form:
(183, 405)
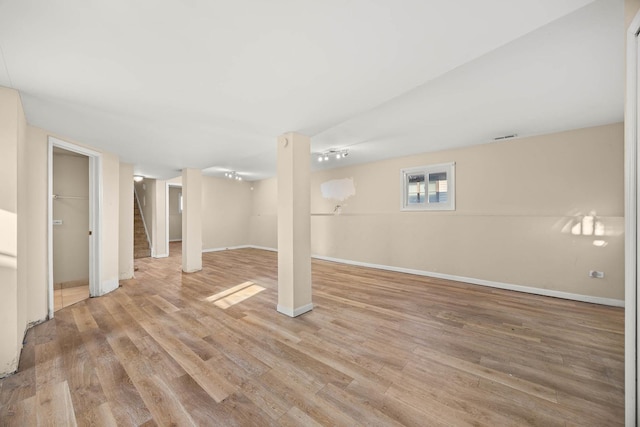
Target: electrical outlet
(596, 274)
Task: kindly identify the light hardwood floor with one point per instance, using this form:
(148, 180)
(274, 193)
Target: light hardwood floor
(64, 296)
(379, 348)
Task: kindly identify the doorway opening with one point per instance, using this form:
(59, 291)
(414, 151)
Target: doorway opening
(70, 225)
(174, 219)
(141, 238)
(73, 224)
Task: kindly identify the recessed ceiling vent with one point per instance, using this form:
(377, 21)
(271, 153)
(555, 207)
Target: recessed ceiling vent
(500, 138)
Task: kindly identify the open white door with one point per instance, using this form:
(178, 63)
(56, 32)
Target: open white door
(95, 209)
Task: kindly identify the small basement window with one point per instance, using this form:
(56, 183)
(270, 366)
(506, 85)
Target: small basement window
(428, 188)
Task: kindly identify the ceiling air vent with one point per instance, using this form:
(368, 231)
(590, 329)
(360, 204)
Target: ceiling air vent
(499, 138)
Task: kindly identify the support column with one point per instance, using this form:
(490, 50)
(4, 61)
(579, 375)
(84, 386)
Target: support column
(125, 222)
(191, 220)
(294, 225)
(160, 238)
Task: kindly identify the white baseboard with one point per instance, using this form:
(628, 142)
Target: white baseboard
(295, 312)
(482, 282)
(489, 283)
(264, 248)
(108, 286)
(126, 276)
(226, 248)
(160, 256)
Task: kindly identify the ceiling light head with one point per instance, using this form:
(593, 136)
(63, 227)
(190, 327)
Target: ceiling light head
(331, 154)
(233, 175)
(138, 178)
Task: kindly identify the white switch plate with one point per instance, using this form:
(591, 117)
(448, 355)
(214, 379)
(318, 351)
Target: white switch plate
(57, 222)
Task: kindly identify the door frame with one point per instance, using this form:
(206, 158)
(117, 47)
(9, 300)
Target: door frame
(95, 216)
(631, 222)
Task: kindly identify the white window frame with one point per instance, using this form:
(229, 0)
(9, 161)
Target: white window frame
(449, 205)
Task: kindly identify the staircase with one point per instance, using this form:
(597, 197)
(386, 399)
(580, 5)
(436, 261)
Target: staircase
(141, 247)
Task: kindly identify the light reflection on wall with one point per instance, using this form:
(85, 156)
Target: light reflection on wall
(591, 226)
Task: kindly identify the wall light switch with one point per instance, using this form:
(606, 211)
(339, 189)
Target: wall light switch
(57, 222)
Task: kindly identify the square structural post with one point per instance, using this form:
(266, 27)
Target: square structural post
(191, 220)
(294, 225)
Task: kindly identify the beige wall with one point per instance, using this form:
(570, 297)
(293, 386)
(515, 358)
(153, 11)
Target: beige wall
(71, 238)
(226, 209)
(631, 7)
(175, 215)
(263, 222)
(516, 204)
(23, 279)
(36, 218)
(12, 295)
(37, 141)
(125, 261)
(226, 206)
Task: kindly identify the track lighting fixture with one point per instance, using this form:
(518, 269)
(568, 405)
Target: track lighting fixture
(337, 154)
(233, 175)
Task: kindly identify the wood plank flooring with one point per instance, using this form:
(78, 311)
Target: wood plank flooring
(379, 348)
(64, 296)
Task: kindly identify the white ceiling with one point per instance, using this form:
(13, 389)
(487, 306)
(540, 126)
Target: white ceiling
(211, 84)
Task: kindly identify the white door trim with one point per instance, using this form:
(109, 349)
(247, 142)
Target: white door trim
(95, 216)
(631, 223)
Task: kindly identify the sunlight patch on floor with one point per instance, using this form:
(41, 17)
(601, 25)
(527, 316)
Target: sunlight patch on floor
(228, 292)
(234, 295)
(239, 296)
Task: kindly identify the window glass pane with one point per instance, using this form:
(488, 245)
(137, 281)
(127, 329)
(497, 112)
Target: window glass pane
(415, 188)
(438, 187)
(428, 188)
